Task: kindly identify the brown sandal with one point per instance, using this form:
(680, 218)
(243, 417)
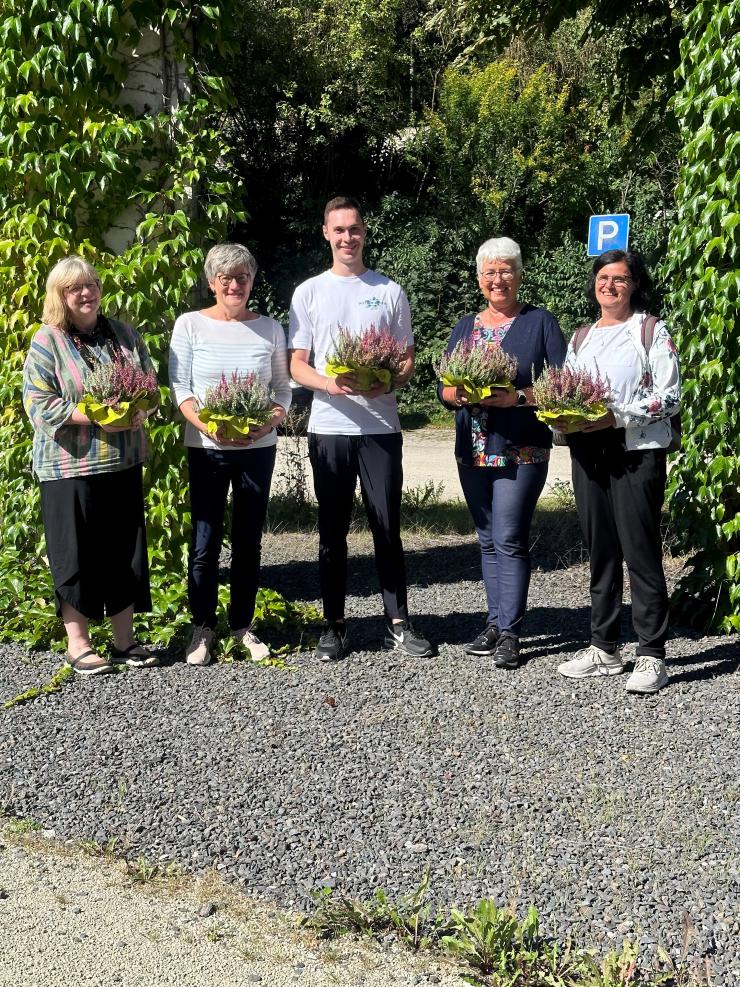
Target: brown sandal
(102, 667)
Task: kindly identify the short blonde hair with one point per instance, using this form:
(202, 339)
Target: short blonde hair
(499, 248)
(68, 271)
(227, 258)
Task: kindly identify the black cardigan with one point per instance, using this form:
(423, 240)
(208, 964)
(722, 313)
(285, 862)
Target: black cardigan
(535, 339)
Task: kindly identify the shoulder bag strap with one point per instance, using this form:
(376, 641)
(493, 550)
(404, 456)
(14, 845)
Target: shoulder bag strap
(579, 335)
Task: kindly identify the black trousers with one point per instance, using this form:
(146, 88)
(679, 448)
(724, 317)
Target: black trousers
(96, 542)
(212, 471)
(337, 461)
(619, 495)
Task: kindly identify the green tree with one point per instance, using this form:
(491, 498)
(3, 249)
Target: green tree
(75, 156)
(703, 272)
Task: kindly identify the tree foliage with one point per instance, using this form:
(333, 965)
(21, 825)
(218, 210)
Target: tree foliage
(702, 267)
(74, 156)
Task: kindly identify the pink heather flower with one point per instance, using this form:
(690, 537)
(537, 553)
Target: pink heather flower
(481, 366)
(562, 389)
(119, 381)
(374, 348)
(243, 395)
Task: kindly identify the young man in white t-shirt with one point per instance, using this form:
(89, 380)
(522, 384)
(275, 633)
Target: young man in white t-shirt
(353, 433)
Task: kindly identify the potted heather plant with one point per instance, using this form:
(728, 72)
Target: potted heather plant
(575, 395)
(115, 391)
(375, 355)
(235, 404)
(479, 369)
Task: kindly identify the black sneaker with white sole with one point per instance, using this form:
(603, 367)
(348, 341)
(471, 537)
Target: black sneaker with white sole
(506, 654)
(403, 637)
(332, 643)
(485, 643)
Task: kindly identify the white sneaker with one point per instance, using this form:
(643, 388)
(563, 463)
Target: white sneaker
(592, 662)
(198, 652)
(248, 639)
(649, 675)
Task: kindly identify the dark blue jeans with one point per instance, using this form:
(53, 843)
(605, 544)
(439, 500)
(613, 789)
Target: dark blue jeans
(212, 471)
(501, 501)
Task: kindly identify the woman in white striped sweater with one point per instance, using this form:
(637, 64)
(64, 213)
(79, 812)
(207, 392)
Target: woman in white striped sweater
(223, 339)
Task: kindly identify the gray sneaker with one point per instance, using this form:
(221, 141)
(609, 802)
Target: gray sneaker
(649, 675)
(592, 662)
(198, 652)
(249, 640)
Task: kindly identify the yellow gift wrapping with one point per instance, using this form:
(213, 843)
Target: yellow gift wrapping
(231, 426)
(574, 416)
(116, 414)
(365, 376)
(475, 394)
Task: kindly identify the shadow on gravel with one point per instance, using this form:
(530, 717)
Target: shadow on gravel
(439, 564)
(722, 659)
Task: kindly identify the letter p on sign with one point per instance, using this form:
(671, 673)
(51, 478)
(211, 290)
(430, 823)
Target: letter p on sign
(608, 233)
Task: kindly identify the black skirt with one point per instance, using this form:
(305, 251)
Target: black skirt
(96, 542)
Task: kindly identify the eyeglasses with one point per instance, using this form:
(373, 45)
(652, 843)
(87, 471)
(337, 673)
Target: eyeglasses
(225, 279)
(618, 282)
(490, 276)
(77, 289)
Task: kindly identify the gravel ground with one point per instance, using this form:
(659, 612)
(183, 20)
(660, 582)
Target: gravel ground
(614, 814)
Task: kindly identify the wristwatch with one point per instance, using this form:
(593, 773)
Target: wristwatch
(521, 398)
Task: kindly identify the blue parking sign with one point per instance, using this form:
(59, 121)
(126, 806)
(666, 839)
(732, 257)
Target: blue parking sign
(608, 233)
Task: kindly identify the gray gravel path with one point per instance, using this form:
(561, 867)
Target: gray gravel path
(614, 814)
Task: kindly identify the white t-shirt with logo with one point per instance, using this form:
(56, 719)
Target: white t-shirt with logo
(321, 306)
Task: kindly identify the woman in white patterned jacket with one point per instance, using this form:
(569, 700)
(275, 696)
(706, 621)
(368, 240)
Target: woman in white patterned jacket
(619, 470)
(220, 340)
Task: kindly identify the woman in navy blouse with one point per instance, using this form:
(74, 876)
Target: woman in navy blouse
(502, 450)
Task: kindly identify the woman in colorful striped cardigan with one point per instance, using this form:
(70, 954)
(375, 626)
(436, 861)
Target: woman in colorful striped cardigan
(90, 475)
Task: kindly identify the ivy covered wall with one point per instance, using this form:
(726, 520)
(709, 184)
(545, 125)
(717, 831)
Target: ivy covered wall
(702, 267)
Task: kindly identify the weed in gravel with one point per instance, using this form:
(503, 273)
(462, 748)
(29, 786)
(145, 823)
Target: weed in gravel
(411, 919)
(59, 679)
(22, 827)
(143, 871)
(498, 949)
(219, 932)
(91, 848)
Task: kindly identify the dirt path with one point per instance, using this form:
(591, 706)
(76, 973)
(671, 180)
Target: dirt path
(72, 921)
(427, 455)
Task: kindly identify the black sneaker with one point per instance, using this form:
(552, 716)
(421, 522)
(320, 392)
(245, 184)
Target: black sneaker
(403, 637)
(332, 642)
(506, 654)
(485, 643)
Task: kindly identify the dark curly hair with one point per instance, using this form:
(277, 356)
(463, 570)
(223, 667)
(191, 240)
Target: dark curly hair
(642, 298)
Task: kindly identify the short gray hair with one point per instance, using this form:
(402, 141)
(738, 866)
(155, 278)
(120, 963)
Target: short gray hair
(499, 248)
(228, 258)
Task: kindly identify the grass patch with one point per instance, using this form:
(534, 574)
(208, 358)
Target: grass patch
(496, 947)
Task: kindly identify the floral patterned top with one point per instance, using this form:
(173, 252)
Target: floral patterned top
(521, 456)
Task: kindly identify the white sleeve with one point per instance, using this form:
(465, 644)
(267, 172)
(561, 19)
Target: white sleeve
(401, 326)
(280, 380)
(301, 323)
(181, 362)
(659, 393)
